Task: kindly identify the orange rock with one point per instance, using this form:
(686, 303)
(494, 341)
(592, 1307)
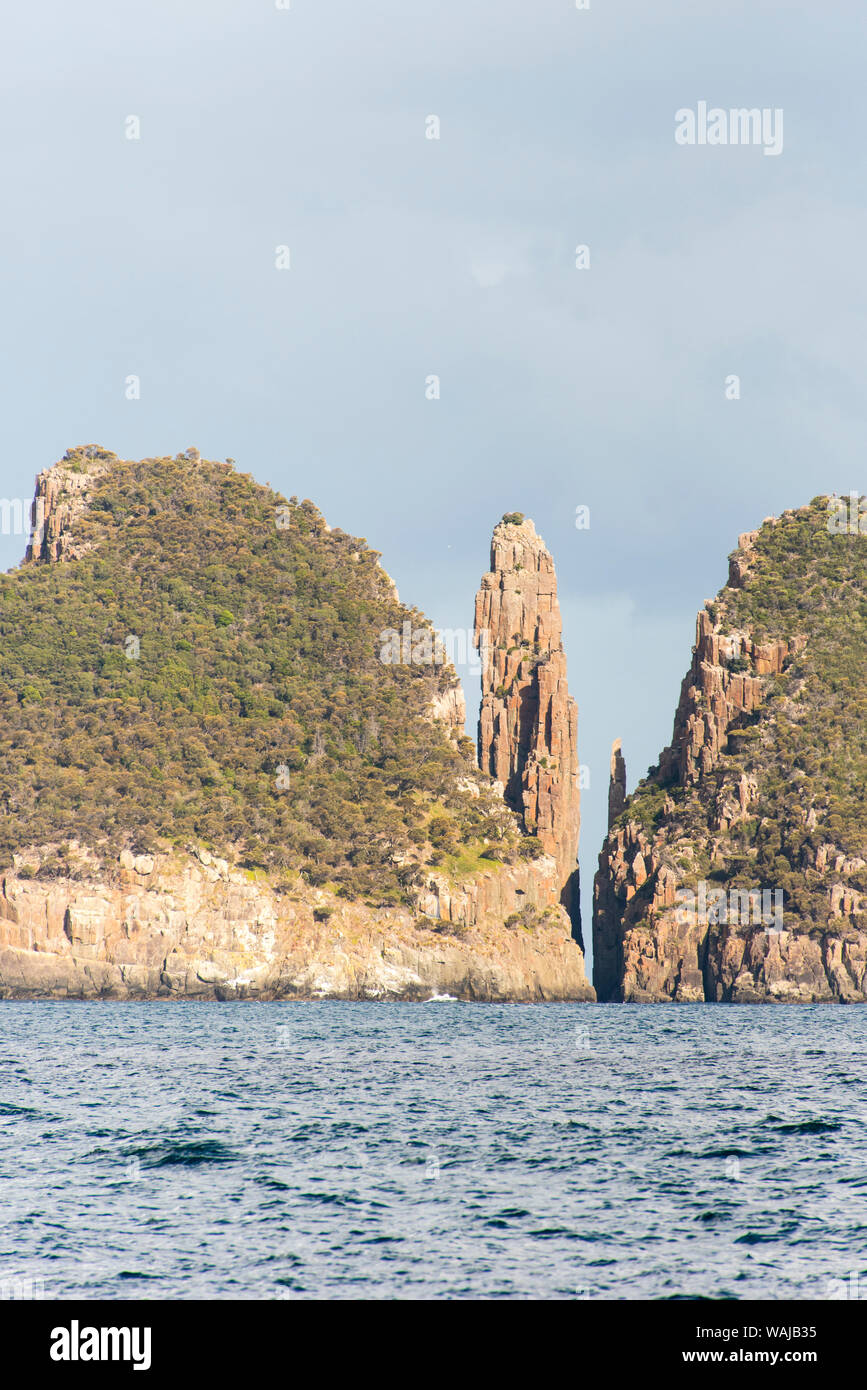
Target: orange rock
(528, 724)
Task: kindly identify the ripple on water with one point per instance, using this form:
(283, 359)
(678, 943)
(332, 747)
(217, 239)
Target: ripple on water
(184, 1155)
(392, 1150)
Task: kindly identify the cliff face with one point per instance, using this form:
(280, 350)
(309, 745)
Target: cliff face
(183, 926)
(63, 493)
(528, 724)
(737, 871)
(449, 706)
(212, 782)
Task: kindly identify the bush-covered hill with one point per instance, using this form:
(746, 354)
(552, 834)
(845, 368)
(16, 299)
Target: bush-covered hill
(811, 736)
(737, 870)
(801, 754)
(206, 669)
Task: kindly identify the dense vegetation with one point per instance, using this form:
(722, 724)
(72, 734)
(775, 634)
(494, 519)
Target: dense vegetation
(806, 745)
(209, 673)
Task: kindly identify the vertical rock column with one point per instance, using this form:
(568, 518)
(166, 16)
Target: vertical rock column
(616, 783)
(528, 724)
(607, 955)
(63, 493)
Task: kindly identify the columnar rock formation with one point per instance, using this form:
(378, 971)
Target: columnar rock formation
(724, 682)
(62, 496)
(737, 869)
(616, 783)
(528, 725)
(190, 926)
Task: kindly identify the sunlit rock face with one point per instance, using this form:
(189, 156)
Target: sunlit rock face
(528, 724)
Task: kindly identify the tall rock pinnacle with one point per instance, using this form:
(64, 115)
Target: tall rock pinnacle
(616, 783)
(528, 723)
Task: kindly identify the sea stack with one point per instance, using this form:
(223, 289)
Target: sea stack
(528, 723)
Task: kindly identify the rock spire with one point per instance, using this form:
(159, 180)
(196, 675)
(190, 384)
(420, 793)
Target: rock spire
(528, 724)
(616, 783)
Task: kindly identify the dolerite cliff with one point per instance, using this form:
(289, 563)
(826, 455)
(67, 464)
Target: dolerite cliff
(225, 775)
(737, 871)
(192, 926)
(63, 493)
(528, 725)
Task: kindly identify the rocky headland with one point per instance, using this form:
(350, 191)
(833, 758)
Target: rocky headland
(737, 870)
(213, 788)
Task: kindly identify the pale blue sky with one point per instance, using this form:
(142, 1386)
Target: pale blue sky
(306, 127)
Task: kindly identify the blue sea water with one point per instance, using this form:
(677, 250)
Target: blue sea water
(440, 1150)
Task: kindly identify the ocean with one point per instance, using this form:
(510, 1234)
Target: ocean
(439, 1150)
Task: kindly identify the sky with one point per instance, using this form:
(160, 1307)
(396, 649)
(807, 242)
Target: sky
(305, 125)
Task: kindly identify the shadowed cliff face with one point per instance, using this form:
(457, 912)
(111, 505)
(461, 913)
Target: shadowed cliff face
(528, 723)
(737, 870)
